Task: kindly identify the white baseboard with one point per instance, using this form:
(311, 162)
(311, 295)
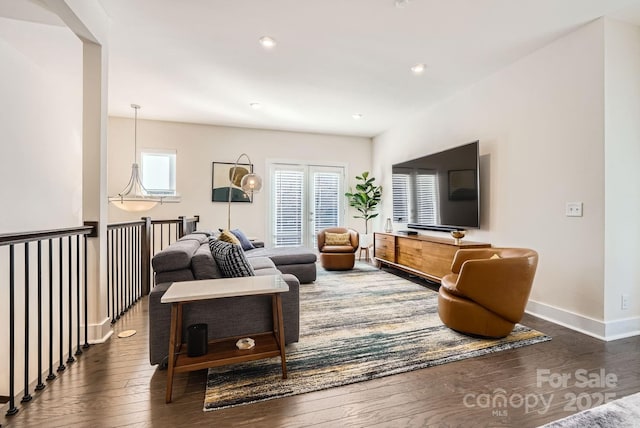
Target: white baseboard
(619, 329)
(611, 330)
(100, 333)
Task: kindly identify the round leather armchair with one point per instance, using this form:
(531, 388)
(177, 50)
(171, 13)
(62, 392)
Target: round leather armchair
(488, 290)
(337, 247)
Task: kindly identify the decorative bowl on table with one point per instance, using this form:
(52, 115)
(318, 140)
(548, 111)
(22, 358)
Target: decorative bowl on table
(458, 235)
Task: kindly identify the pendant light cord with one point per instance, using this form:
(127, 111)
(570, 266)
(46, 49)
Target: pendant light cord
(135, 107)
(135, 136)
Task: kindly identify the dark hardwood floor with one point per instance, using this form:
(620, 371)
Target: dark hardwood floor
(113, 385)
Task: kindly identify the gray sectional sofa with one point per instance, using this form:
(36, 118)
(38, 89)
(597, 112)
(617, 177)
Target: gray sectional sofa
(190, 259)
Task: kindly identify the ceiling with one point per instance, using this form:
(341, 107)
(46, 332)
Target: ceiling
(200, 61)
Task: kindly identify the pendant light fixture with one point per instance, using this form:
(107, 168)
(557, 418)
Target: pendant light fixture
(135, 197)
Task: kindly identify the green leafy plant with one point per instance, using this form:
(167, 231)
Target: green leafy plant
(365, 198)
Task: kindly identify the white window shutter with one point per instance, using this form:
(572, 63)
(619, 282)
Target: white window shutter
(288, 207)
(327, 193)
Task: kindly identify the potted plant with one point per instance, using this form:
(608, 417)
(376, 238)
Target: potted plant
(365, 199)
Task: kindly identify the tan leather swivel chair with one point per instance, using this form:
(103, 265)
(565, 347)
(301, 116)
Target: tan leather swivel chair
(487, 296)
(341, 256)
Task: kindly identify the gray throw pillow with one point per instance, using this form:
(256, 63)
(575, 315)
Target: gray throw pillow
(230, 259)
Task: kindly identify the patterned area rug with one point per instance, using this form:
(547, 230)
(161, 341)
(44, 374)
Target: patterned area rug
(622, 413)
(355, 326)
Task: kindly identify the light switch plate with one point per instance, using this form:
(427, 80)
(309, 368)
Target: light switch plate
(573, 209)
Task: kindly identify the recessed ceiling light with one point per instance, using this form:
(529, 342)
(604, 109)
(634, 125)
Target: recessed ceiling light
(418, 68)
(356, 116)
(255, 106)
(267, 42)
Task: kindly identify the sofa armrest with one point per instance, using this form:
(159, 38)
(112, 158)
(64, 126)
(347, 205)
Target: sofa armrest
(159, 324)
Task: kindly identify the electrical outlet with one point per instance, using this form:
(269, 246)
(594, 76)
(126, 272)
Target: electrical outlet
(624, 301)
(573, 209)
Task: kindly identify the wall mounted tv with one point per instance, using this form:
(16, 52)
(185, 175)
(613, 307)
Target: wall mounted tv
(440, 191)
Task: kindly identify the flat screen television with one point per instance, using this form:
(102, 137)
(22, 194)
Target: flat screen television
(440, 191)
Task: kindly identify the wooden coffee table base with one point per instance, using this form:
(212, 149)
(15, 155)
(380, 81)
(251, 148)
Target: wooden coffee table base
(224, 351)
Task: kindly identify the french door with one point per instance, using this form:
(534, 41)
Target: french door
(304, 200)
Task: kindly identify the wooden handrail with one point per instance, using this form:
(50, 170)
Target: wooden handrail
(38, 235)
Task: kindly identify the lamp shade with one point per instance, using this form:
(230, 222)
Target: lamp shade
(251, 183)
(134, 197)
(134, 205)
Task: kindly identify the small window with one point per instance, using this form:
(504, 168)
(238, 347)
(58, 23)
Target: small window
(158, 170)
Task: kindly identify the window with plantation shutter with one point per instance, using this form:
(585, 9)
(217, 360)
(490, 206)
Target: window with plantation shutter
(288, 205)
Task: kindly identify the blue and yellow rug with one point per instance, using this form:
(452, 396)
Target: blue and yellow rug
(356, 326)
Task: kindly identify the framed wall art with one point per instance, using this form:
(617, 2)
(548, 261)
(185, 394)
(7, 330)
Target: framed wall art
(220, 173)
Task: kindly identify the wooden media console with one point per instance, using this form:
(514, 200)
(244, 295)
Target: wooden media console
(426, 256)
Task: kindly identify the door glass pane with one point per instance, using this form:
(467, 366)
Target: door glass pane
(327, 193)
(288, 205)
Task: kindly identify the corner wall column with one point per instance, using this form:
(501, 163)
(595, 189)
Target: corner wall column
(94, 186)
(89, 22)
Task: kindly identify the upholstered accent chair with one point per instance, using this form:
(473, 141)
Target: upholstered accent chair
(337, 247)
(487, 291)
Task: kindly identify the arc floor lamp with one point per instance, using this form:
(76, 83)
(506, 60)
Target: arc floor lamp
(250, 183)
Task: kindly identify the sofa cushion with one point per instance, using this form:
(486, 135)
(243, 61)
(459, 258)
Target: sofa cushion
(267, 271)
(173, 276)
(338, 249)
(203, 265)
(230, 259)
(261, 263)
(244, 241)
(176, 256)
(285, 255)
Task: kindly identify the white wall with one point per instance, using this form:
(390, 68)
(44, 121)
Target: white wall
(40, 159)
(540, 122)
(40, 126)
(622, 157)
(198, 146)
